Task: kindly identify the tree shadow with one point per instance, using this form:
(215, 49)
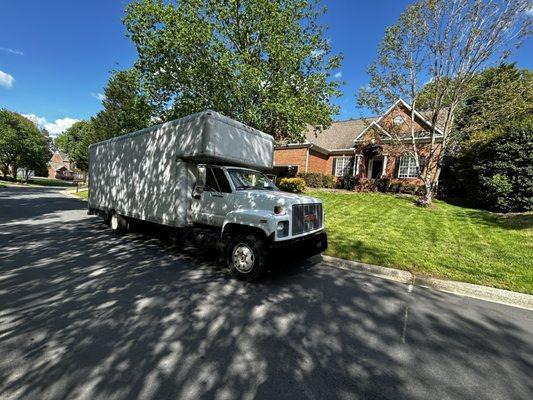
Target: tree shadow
(88, 314)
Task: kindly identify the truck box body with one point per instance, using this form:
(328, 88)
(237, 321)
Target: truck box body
(149, 174)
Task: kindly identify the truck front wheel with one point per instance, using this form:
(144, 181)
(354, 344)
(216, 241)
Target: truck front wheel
(246, 257)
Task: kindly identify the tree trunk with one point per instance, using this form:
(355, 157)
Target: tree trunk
(428, 191)
(14, 172)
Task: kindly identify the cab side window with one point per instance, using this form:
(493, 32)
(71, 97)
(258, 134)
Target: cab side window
(216, 181)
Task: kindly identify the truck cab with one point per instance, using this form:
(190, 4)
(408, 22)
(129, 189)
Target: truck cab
(254, 217)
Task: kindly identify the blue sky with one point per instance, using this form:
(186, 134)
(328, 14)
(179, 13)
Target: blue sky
(55, 55)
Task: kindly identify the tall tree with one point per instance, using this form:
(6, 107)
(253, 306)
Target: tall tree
(125, 107)
(263, 62)
(496, 97)
(446, 42)
(125, 110)
(22, 145)
(75, 141)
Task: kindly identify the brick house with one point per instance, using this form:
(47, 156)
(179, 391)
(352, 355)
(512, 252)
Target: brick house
(370, 148)
(60, 167)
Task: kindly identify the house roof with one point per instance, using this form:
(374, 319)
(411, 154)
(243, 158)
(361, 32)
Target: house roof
(58, 166)
(339, 135)
(376, 124)
(63, 156)
(344, 134)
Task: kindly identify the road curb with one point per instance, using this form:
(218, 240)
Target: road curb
(397, 275)
(486, 293)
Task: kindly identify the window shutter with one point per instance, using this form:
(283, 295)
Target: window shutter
(334, 163)
(396, 166)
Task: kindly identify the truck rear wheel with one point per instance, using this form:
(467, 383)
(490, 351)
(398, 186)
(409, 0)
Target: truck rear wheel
(246, 257)
(117, 223)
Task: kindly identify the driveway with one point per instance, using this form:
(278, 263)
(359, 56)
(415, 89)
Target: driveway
(85, 314)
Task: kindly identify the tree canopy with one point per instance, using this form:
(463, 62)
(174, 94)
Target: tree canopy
(125, 107)
(125, 110)
(265, 63)
(22, 145)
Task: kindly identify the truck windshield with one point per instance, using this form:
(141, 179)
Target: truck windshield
(250, 179)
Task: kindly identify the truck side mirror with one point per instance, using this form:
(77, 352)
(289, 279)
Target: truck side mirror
(202, 171)
(200, 182)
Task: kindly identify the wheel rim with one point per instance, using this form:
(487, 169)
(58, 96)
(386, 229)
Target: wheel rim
(114, 222)
(243, 258)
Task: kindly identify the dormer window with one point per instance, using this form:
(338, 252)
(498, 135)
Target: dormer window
(398, 120)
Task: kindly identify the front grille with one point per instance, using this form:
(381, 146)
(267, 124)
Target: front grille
(306, 217)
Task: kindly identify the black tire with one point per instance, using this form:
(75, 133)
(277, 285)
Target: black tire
(253, 258)
(117, 223)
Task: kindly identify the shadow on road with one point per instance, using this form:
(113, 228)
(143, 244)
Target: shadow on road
(86, 314)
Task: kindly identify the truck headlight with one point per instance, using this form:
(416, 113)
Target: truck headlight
(282, 229)
(279, 210)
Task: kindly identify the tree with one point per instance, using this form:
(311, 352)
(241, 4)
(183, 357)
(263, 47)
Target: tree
(75, 141)
(496, 97)
(125, 110)
(501, 174)
(263, 62)
(446, 42)
(21, 144)
(498, 106)
(125, 107)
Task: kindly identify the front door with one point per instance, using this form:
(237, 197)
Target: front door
(375, 168)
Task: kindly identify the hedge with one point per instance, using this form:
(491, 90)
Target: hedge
(316, 180)
(292, 185)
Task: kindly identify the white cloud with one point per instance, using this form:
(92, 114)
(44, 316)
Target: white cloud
(54, 128)
(6, 80)
(99, 96)
(12, 51)
(530, 11)
(338, 75)
(317, 53)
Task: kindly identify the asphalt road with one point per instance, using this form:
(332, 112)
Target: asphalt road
(85, 314)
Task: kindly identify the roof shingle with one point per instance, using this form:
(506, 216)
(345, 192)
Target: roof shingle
(340, 134)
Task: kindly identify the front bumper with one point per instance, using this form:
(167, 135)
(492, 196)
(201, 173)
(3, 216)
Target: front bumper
(305, 246)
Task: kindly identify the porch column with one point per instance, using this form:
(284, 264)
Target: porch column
(384, 168)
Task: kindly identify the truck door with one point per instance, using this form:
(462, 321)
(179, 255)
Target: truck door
(216, 201)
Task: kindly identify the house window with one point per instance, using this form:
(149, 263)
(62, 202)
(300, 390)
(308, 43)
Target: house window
(398, 120)
(343, 166)
(407, 167)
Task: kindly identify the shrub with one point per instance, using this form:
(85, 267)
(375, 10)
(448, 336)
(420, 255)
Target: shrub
(348, 182)
(328, 182)
(383, 185)
(312, 179)
(292, 185)
(316, 180)
(409, 188)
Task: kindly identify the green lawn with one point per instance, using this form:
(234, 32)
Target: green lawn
(50, 182)
(82, 194)
(446, 241)
(38, 181)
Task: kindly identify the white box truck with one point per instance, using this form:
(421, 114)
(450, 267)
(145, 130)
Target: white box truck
(200, 176)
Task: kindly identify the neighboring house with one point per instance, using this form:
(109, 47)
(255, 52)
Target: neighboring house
(60, 167)
(370, 148)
